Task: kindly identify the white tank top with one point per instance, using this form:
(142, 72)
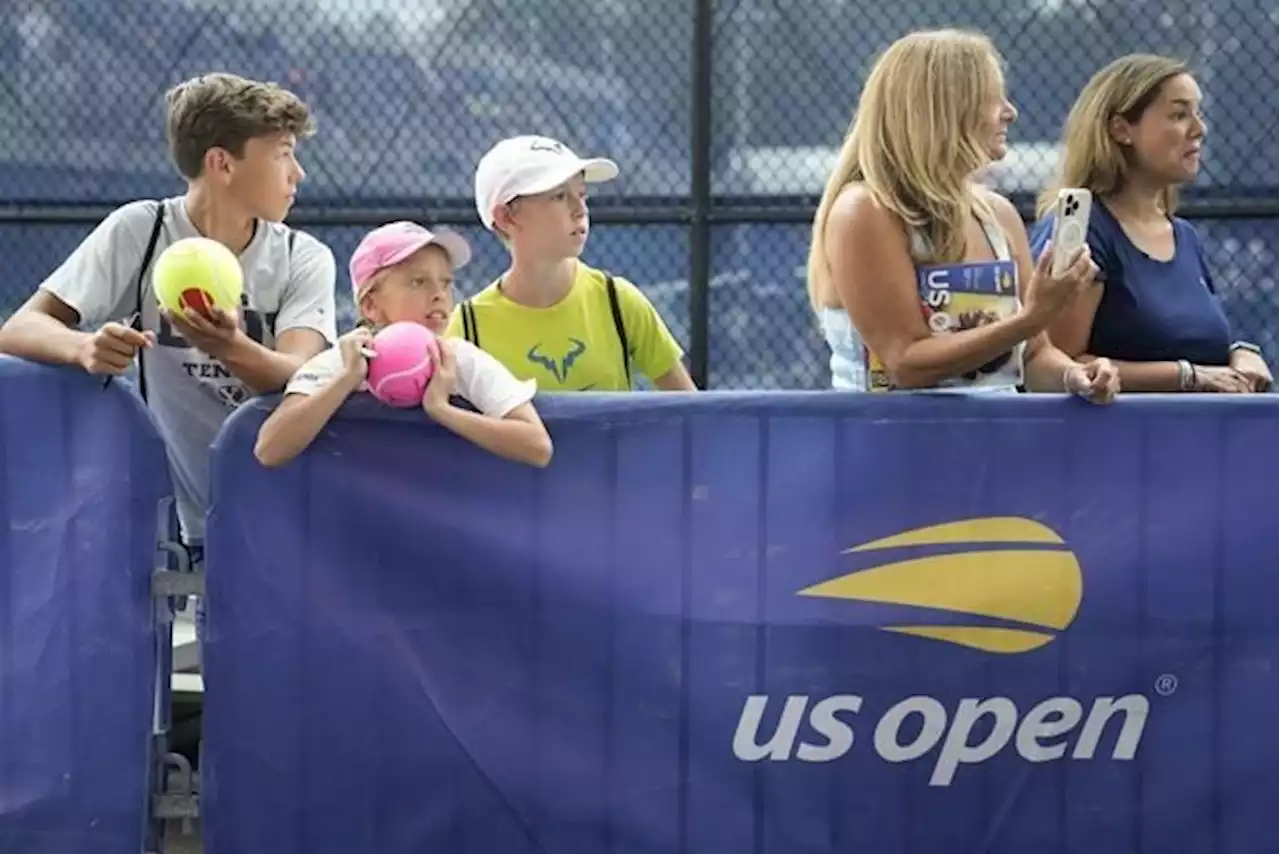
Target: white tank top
(851, 368)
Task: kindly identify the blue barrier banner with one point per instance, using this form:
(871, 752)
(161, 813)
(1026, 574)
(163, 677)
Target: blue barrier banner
(751, 623)
(82, 470)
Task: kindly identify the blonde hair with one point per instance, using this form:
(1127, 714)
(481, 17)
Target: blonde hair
(916, 140)
(1091, 157)
(376, 279)
(226, 111)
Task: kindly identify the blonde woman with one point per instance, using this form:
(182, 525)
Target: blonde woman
(921, 278)
(1133, 137)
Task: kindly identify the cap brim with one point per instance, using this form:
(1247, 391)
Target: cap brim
(457, 248)
(596, 170)
(456, 245)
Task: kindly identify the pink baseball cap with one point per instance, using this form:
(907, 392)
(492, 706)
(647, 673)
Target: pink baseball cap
(388, 245)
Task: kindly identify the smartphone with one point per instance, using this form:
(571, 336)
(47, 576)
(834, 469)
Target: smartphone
(1070, 226)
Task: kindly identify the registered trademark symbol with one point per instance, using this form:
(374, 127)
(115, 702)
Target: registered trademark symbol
(1166, 684)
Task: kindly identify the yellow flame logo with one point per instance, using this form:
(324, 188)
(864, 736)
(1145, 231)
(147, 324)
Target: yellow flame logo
(1038, 586)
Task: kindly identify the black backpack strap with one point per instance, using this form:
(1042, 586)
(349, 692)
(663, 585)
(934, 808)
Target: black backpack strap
(288, 271)
(137, 287)
(618, 325)
(469, 329)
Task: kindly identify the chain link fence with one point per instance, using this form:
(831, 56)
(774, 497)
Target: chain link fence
(724, 114)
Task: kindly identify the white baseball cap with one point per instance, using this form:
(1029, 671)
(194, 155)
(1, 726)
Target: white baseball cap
(528, 165)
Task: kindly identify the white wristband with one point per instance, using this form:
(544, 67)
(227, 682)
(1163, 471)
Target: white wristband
(1186, 376)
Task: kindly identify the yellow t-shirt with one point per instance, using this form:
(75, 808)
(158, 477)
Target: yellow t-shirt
(573, 345)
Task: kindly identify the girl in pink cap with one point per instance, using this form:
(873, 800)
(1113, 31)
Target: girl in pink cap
(403, 272)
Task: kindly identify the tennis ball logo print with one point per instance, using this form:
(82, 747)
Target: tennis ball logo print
(196, 274)
(1004, 584)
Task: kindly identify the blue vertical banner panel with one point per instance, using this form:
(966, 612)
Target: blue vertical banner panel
(768, 623)
(83, 472)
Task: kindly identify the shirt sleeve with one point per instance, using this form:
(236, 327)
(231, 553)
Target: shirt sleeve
(308, 301)
(486, 383)
(1102, 248)
(315, 373)
(1206, 273)
(654, 350)
(1040, 234)
(98, 279)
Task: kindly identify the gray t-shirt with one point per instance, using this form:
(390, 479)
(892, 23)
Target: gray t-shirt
(285, 287)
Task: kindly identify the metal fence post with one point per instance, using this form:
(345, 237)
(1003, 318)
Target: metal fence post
(700, 192)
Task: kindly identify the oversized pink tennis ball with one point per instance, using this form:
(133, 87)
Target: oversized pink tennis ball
(405, 360)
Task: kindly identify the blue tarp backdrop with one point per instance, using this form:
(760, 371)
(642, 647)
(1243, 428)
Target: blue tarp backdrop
(82, 470)
(751, 622)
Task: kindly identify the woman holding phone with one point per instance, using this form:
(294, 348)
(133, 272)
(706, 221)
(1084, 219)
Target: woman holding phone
(921, 278)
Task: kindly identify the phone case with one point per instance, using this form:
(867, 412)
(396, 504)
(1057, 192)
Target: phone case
(1071, 226)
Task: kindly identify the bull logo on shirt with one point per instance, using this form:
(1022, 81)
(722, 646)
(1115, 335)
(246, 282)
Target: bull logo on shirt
(560, 367)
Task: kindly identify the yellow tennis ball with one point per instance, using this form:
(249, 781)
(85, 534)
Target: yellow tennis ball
(195, 274)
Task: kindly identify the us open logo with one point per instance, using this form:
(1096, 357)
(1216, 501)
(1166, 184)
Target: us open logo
(1001, 585)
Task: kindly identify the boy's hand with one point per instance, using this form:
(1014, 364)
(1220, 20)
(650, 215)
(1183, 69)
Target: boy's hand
(442, 381)
(112, 348)
(211, 334)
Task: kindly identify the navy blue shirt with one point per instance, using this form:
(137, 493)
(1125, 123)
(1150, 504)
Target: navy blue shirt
(1151, 311)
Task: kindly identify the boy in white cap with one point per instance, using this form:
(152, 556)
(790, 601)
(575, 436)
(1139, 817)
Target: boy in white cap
(551, 317)
(401, 272)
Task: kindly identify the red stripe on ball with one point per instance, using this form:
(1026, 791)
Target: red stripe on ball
(194, 299)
